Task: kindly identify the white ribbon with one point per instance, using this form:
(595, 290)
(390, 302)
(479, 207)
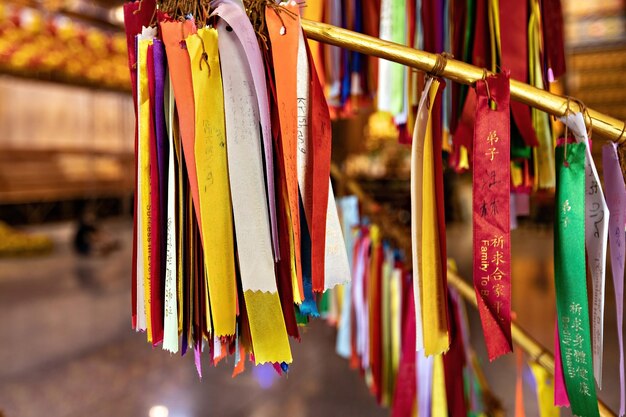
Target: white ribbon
(235, 16)
(349, 208)
(245, 165)
(170, 328)
(336, 264)
(304, 148)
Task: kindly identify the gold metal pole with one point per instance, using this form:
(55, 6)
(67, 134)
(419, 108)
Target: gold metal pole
(521, 337)
(604, 126)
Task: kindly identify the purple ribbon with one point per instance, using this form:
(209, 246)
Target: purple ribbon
(616, 201)
(158, 50)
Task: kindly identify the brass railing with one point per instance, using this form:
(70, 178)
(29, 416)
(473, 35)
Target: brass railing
(603, 125)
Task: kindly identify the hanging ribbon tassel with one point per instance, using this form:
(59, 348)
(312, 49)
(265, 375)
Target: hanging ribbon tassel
(174, 34)
(570, 280)
(155, 229)
(491, 218)
(417, 166)
(519, 384)
(350, 220)
(514, 17)
(596, 235)
(560, 391)
(329, 259)
(252, 223)
(454, 364)
(135, 18)
(425, 368)
(284, 29)
(439, 400)
(433, 260)
(543, 154)
(143, 184)
(616, 192)
(237, 19)
(545, 391)
(406, 381)
(213, 183)
(171, 323)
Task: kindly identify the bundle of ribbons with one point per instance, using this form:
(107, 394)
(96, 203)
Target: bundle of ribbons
(376, 330)
(585, 223)
(236, 229)
(375, 320)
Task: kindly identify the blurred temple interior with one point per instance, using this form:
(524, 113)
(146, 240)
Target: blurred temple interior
(67, 198)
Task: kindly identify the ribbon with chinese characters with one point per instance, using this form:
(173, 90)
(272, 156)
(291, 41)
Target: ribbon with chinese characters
(616, 200)
(491, 203)
(596, 236)
(570, 279)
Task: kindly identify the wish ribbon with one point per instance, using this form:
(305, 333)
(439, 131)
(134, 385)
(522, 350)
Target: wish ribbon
(570, 280)
(491, 219)
(213, 184)
(596, 235)
(616, 200)
(252, 222)
(236, 17)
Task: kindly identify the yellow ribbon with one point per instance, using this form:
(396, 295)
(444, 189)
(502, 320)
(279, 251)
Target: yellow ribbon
(144, 166)
(213, 184)
(543, 155)
(545, 391)
(439, 399)
(434, 313)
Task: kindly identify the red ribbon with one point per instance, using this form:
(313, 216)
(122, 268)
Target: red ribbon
(406, 382)
(453, 364)
(320, 136)
(156, 298)
(491, 204)
(283, 266)
(514, 40)
(554, 47)
(134, 19)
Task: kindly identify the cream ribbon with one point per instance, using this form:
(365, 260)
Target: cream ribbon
(252, 223)
(170, 322)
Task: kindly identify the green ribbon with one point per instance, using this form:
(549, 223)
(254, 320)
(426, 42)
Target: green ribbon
(571, 282)
(397, 72)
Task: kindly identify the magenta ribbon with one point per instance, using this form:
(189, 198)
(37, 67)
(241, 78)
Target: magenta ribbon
(561, 399)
